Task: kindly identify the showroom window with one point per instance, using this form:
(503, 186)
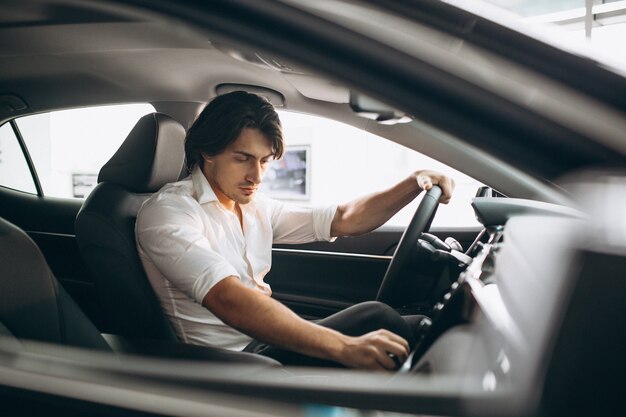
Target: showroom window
(359, 163)
(14, 171)
(597, 24)
(69, 147)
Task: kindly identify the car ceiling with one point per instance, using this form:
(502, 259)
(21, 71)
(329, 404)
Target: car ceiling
(66, 55)
(109, 57)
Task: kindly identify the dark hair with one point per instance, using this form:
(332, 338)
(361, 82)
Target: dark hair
(222, 121)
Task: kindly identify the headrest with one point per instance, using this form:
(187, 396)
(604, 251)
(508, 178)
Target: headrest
(152, 155)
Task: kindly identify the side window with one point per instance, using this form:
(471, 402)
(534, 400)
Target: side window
(69, 147)
(328, 162)
(14, 171)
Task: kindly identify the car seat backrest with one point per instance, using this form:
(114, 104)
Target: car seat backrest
(151, 156)
(33, 305)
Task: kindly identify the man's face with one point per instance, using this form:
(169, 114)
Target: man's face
(236, 173)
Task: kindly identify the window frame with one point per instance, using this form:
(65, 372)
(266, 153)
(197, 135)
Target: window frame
(26, 153)
(29, 162)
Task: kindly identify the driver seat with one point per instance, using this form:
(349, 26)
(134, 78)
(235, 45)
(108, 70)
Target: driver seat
(151, 156)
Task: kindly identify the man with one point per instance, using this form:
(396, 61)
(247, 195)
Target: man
(205, 243)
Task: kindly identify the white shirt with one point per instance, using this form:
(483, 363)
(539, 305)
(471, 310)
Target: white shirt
(188, 242)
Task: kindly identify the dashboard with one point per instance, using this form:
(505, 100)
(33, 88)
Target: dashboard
(493, 322)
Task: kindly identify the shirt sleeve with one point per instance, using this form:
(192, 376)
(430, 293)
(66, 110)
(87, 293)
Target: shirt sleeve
(297, 224)
(170, 234)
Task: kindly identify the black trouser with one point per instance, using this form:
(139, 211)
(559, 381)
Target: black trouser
(353, 321)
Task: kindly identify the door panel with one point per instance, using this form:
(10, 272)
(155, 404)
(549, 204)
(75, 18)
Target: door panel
(316, 284)
(320, 278)
(39, 214)
(62, 254)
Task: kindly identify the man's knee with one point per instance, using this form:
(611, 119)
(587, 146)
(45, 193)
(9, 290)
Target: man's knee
(378, 315)
(375, 312)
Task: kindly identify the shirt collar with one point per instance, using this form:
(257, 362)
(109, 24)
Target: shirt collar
(204, 192)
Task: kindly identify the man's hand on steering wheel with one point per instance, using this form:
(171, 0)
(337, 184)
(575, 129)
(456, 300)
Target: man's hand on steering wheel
(427, 178)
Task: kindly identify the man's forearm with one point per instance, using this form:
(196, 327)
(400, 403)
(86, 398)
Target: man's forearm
(367, 213)
(267, 320)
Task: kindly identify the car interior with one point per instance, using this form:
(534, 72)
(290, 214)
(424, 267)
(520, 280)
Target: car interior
(525, 308)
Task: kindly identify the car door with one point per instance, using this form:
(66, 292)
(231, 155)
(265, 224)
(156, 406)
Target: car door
(327, 162)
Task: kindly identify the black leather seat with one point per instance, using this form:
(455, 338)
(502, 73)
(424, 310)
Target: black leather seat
(151, 156)
(35, 307)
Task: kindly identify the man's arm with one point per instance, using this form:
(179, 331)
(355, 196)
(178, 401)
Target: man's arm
(367, 213)
(267, 320)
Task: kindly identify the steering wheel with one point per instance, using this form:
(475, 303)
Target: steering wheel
(420, 223)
